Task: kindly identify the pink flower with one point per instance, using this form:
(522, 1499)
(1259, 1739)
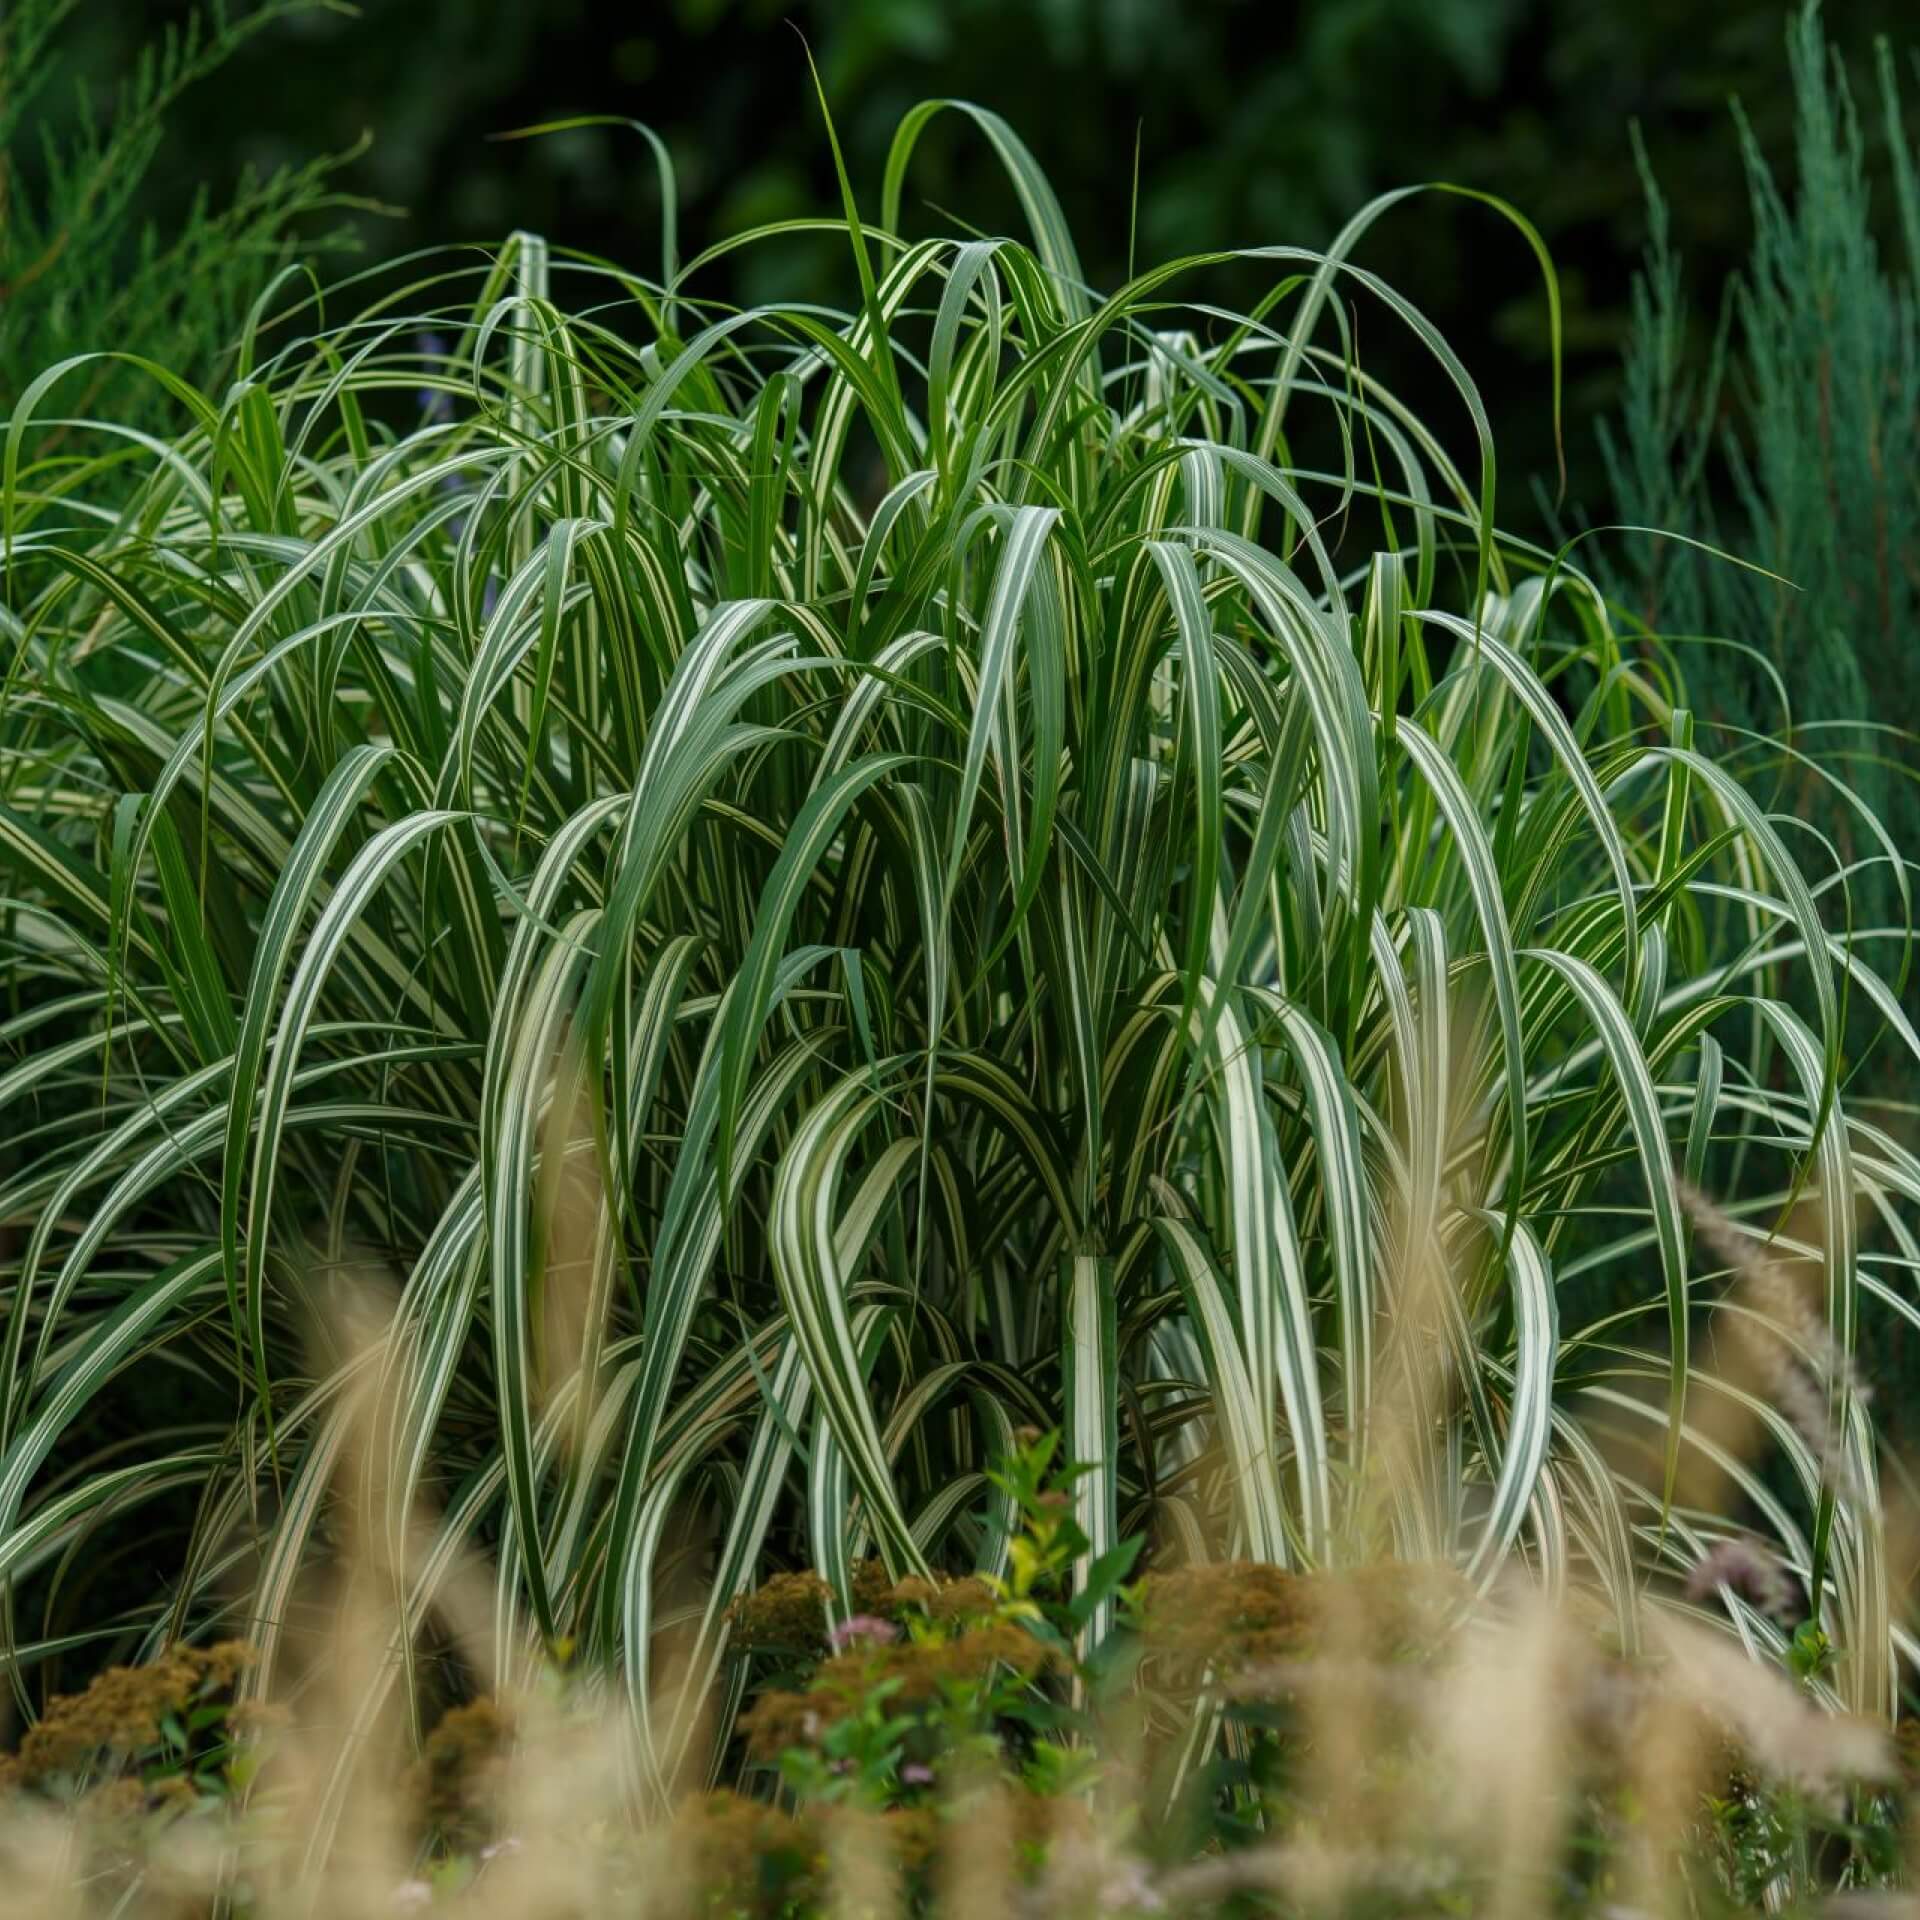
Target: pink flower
(916, 1773)
(862, 1626)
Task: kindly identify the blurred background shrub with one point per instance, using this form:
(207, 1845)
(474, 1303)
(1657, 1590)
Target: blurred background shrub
(1256, 121)
(1793, 442)
(125, 221)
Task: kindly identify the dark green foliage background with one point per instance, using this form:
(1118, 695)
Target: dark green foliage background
(1257, 120)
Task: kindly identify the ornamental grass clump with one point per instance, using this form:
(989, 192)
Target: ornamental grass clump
(815, 889)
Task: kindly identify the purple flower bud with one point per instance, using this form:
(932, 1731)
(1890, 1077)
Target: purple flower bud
(916, 1773)
(862, 1626)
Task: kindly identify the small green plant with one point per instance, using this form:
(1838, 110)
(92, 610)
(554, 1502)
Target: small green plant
(972, 1680)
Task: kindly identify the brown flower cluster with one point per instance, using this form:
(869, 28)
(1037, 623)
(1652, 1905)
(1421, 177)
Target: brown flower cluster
(738, 1856)
(754, 1861)
(790, 1613)
(746, 1858)
(1026, 1827)
(1238, 1616)
(947, 1598)
(117, 1802)
(920, 1670)
(458, 1778)
(118, 1715)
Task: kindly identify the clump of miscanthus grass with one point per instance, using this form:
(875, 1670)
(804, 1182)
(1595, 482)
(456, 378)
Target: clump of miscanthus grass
(817, 887)
(819, 891)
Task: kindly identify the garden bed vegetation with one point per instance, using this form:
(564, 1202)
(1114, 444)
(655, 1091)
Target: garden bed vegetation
(917, 1108)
